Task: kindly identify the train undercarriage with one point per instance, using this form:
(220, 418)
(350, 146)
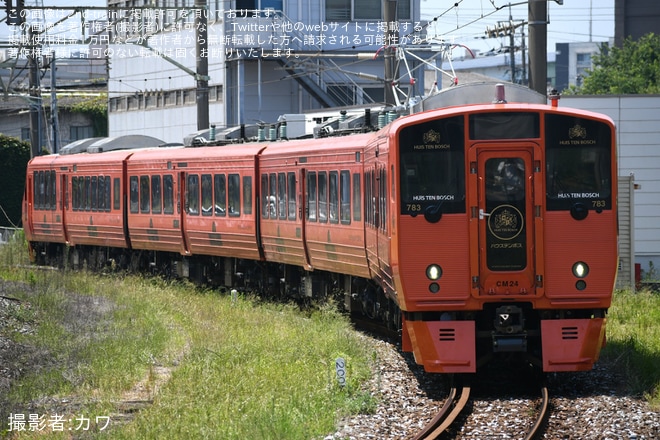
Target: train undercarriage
(444, 342)
(274, 281)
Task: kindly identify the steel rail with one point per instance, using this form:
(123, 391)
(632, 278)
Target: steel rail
(543, 413)
(444, 418)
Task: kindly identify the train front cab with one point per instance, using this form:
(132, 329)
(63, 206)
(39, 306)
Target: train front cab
(42, 206)
(506, 240)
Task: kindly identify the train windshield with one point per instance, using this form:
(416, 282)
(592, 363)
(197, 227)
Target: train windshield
(432, 166)
(578, 163)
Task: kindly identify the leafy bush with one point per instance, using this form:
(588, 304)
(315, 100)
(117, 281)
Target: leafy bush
(14, 156)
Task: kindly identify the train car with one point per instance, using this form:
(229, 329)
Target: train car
(504, 234)
(194, 202)
(311, 213)
(477, 230)
(43, 206)
(80, 198)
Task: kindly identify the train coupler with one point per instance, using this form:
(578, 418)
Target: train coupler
(509, 343)
(509, 335)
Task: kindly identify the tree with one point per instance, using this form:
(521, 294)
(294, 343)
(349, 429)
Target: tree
(14, 156)
(631, 69)
(97, 109)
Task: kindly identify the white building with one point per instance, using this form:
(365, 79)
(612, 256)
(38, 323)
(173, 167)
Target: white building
(638, 132)
(265, 58)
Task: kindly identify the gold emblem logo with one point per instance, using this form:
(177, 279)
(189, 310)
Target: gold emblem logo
(431, 137)
(577, 131)
(505, 222)
(506, 219)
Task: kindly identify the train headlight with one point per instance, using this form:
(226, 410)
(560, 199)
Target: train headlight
(580, 269)
(433, 272)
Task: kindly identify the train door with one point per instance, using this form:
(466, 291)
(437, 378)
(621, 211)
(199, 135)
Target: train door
(64, 204)
(182, 209)
(506, 214)
(28, 205)
(372, 215)
(303, 213)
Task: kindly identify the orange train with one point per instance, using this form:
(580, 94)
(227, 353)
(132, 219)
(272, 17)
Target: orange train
(475, 230)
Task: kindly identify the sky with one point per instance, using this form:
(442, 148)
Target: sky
(465, 21)
(574, 21)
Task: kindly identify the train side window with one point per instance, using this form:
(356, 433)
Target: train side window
(311, 196)
(368, 199)
(264, 192)
(116, 193)
(393, 184)
(35, 192)
(323, 197)
(102, 205)
(333, 188)
(247, 194)
(193, 194)
(135, 193)
(291, 187)
(357, 198)
(45, 189)
(382, 212)
(345, 196)
(88, 193)
(81, 193)
(220, 194)
(95, 192)
(272, 200)
(156, 195)
(168, 194)
(281, 195)
(45, 197)
(101, 193)
(74, 193)
(145, 195)
(234, 193)
(53, 190)
(42, 190)
(207, 194)
(108, 193)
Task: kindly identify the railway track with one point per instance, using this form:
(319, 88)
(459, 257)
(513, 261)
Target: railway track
(542, 417)
(456, 403)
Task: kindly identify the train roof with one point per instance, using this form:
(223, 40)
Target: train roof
(242, 150)
(479, 93)
(80, 158)
(319, 145)
(105, 144)
(421, 117)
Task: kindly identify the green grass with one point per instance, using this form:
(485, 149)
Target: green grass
(239, 369)
(633, 340)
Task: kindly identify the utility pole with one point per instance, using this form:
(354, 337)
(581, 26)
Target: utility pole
(391, 38)
(35, 95)
(202, 64)
(538, 56)
(512, 47)
(509, 29)
(524, 81)
(53, 106)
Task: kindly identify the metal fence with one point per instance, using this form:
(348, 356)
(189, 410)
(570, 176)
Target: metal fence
(7, 233)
